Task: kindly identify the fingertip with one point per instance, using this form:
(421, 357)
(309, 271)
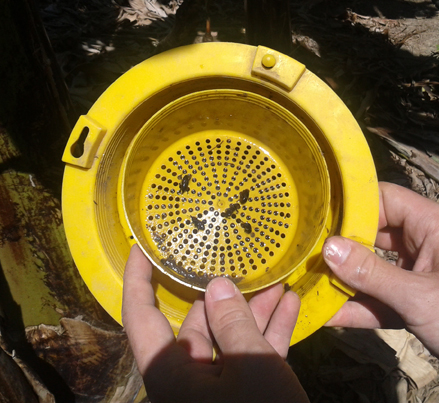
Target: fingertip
(135, 247)
(194, 335)
(295, 298)
(137, 264)
(283, 322)
(220, 288)
(335, 251)
(137, 287)
(350, 261)
(292, 303)
(339, 319)
(264, 302)
(136, 253)
(293, 295)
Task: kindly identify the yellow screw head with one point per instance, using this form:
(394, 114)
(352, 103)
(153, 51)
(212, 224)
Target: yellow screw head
(268, 61)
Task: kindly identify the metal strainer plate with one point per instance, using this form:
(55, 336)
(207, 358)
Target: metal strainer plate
(219, 205)
(225, 183)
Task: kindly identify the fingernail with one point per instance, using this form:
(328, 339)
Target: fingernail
(221, 288)
(336, 250)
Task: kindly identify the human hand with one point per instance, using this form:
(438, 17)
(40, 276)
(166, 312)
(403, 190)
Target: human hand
(253, 341)
(405, 295)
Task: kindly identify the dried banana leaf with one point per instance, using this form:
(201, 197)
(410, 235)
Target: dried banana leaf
(427, 162)
(14, 387)
(39, 282)
(96, 364)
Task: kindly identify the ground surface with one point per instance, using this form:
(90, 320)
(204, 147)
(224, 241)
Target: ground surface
(380, 56)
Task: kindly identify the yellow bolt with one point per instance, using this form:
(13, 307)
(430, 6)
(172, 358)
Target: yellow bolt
(268, 61)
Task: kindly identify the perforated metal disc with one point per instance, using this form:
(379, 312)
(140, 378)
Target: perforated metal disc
(219, 204)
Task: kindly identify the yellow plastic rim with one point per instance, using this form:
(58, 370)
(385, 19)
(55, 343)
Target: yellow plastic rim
(96, 237)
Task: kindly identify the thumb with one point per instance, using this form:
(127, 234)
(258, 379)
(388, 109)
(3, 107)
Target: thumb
(231, 320)
(364, 271)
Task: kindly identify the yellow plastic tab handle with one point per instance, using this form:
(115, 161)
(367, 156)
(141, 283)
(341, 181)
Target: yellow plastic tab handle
(84, 142)
(277, 68)
(341, 285)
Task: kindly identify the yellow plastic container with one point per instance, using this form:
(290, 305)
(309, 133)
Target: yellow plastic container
(218, 159)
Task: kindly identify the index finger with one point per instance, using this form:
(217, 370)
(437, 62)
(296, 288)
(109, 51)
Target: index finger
(149, 332)
(406, 219)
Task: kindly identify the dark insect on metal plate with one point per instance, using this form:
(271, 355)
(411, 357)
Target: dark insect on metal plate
(197, 223)
(247, 227)
(231, 209)
(184, 184)
(243, 196)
